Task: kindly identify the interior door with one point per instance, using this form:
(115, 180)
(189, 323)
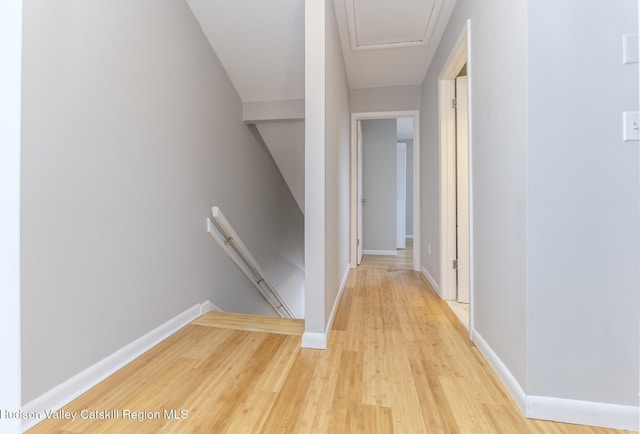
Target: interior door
(360, 196)
(401, 196)
(462, 188)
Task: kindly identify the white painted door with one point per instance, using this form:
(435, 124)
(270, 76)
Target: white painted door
(360, 197)
(462, 186)
(401, 196)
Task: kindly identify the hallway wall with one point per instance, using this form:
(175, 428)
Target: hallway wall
(380, 99)
(556, 242)
(584, 191)
(131, 132)
(499, 170)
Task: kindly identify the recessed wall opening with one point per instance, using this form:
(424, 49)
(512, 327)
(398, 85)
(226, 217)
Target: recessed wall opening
(455, 185)
(385, 190)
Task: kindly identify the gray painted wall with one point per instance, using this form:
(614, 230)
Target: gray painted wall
(379, 184)
(555, 193)
(409, 218)
(326, 169)
(337, 163)
(131, 132)
(379, 99)
(583, 251)
(499, 167)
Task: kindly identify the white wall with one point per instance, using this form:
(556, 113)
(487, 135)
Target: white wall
(583, 206)
(131, 132)
(10, 55)
(326, 170)
(379, 184)
(380, 99)
(499, 167)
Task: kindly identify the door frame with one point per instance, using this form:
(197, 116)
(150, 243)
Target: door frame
(460, 54)
(353, 175)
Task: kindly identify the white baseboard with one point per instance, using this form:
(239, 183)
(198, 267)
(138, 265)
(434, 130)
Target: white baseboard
(66, 392)
(557, 409)
(336, 303)
(207, 306)
(582, 412)
(319, 341)
(380, 252)
(409, 236)
(504, 375)
(315, 341)
(432, 281)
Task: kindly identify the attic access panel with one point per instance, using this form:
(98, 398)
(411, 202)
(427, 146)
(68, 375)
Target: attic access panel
(386, 24)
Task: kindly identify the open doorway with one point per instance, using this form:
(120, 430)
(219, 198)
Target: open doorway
(385, 190)
(456, 198)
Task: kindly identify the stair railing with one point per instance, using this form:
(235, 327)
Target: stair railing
(221, 230)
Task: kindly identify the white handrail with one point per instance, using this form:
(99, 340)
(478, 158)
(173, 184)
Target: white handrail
(221, 230)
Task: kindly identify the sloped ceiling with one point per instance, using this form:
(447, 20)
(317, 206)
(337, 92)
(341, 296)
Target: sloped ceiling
(260, 44)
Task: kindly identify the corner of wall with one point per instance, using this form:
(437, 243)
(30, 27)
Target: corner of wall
(64, 393)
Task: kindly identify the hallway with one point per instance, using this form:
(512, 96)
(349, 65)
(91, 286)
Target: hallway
(398, 362)
(403, 261)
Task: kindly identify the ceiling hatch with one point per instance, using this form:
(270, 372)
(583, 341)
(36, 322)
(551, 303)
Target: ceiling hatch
(377, 24)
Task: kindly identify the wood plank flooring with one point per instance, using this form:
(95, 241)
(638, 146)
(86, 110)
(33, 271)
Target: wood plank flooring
(402, 261)
(398, 361)
(254, 323)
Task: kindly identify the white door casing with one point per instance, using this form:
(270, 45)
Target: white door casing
(460, 55)
(462, 188)
(354, 207)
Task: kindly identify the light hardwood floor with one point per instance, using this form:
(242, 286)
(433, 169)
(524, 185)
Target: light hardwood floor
(403, 261)
(398, 361)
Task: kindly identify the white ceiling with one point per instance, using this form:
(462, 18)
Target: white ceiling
(379, 24)
(390, 42)
(261, 43)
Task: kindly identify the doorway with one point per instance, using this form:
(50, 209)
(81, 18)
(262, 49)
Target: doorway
(455, 182)
(358, 199)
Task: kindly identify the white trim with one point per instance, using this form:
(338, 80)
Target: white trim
(582, 412)
(207, 306)
(319, 341)
(446, 91)
(557, 409)
(504, 375)
(425, 40)
(432, 281)
(315, 341)
(380, 252)
(64, 393)
(409, 236)
(353, 236)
